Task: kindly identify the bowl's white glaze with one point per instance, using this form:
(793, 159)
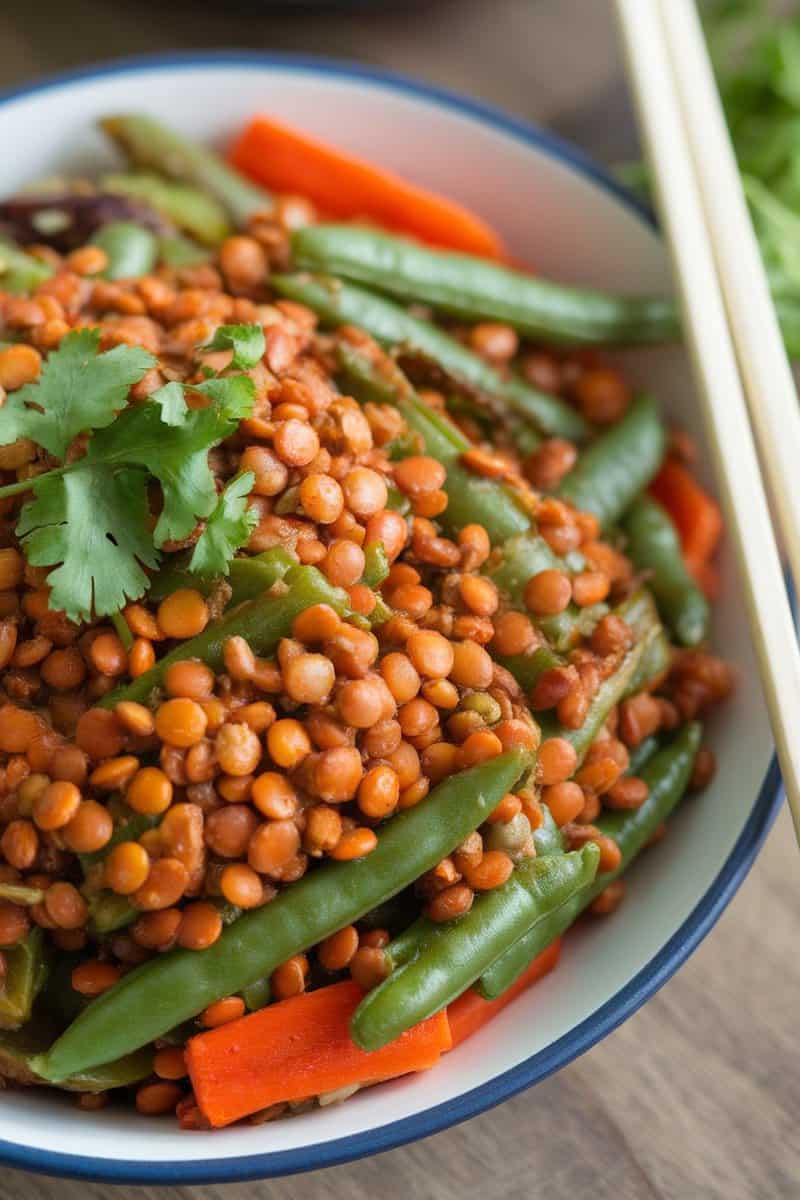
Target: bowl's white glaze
(560, 213)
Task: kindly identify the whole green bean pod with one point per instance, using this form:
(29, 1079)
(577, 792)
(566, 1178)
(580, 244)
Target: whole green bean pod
(654, 547)
(469, 496)
(169, 989)
(639, 613)
(619, 465)
(151, 145)
(261, 622)
(191, 209)
(457, 953)
(132, 250)
(667, 775)
(339, 303)
(474, 289)
(411, 940)
(20, 272)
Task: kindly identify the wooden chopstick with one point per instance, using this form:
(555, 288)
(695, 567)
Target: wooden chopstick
(763, 364)
(716, 371)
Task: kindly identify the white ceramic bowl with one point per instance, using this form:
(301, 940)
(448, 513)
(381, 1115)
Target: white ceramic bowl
(560, 212)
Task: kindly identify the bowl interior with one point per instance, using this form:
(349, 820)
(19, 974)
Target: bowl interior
(562, 217)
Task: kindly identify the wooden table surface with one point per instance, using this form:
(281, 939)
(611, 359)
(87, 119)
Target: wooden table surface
(697, 1096)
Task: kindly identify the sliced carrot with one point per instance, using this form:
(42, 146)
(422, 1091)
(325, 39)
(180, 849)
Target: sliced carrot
(696, 515)
(470, 1012)
(706, 576)
(342, 185)
(298, 1048)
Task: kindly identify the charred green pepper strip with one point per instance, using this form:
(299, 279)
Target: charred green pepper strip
(155, 997)
(190, 208)
(474, 289)
(151, 145)
(261, 622)
(456, 953)
(20, 272)
(26, 971)
(619, 465)
(132, 250)
(338, 303)
(667, 775)
(469, 496)
(654, 547)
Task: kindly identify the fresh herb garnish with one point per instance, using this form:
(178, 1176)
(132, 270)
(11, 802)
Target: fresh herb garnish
(227, 529)
(246, 341)
(90, 519)
(78, 390)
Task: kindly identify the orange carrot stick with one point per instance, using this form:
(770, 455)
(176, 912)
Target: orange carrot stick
(297, 1048)
(470, 1012)
(343, 185)
(696, 515)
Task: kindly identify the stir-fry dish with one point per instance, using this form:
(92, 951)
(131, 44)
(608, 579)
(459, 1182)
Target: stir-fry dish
(353, 625)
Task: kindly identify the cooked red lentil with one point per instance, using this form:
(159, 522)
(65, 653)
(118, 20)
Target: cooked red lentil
(138, 821)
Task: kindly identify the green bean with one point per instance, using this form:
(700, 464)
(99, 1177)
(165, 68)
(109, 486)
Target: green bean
(638, 612)
(517, 561)
(654, 547)
(376, 565)
(654, 664)
(193, 210)
(667, 775)
(178, 251)
(248, 577)
(261, 622)
(456, 953)
(153, 146)
(108, 911)
(20, 272)
(257, 994)
(639, 755)
(26, 971)
(337, 303)
(474, 289)
(413, 938)
(619, 465)
(470, 498)
(18, 1047)
(161, 993)
(132, 250)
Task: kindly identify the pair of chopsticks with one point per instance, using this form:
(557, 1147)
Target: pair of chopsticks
(739, 361)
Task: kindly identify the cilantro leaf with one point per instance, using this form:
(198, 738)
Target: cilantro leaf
(78, 390)
(228, 528)
(172, 399)
(246, 341)
(177, 455)
(91, 524)
(235, 395)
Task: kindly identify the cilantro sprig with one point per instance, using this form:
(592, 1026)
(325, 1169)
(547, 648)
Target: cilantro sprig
(90, 520)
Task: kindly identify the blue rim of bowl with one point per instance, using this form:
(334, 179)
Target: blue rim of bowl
(651, 977)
